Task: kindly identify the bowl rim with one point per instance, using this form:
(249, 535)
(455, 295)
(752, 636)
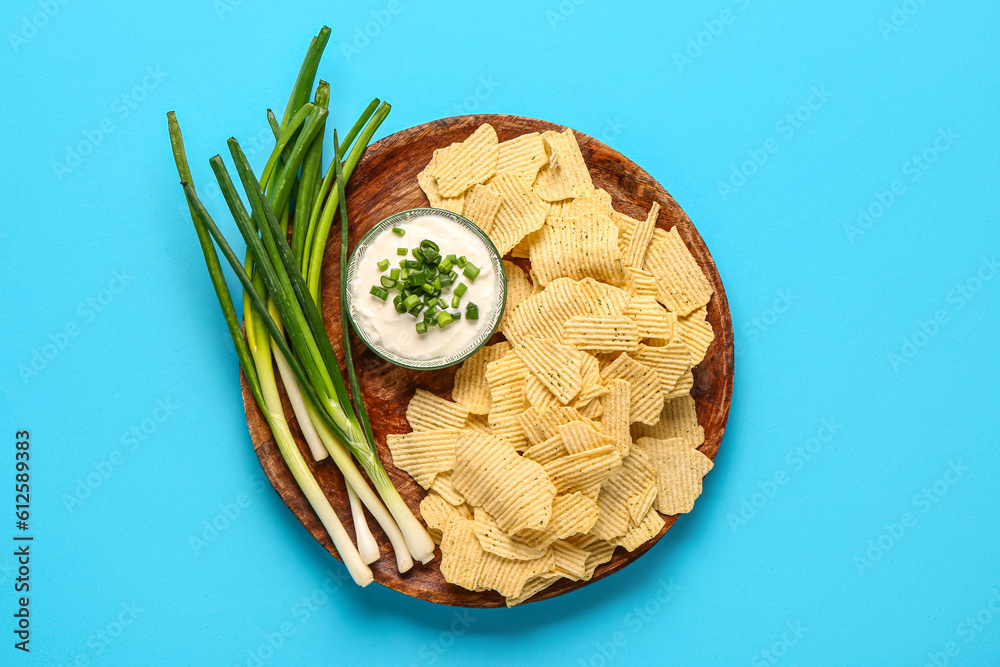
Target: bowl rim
(496, 259)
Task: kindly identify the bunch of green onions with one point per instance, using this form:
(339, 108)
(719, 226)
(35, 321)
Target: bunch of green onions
(281, 310)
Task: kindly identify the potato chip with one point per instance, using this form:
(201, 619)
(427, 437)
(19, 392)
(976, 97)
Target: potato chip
(639, 282)
(506, 379)
(566, 175)
(570, 561)
(460, 553)
(478, 423)
(678, 419)
(644, 531)
(443, 487)
(540, 425)
(670, 362)
(547, 450)
(600, 552)
(519, 288)
(543, 314)
(617, 414)
(572, 514)
(471, 390)
(521, 212)
(480, 206)
(577, 472)
(639, 504)
(639, 239)
(508, 577)
(578, 436)
(683, 386)
(514, 490)
(593, 391)
(591, 409)
(602, 298)
(423, 454)
(632, 479)
(522, 156)
(556, 366)
(679, 472)
(436, 512)
(651, 319)
(538, 395)
(471, 161)
(584, 246)
(532, 587)
(697, 334)
(602, 333)
(493, 540)
(427, 179)
(682, 286)
(645, 396)
(598, 202)
(427, 412)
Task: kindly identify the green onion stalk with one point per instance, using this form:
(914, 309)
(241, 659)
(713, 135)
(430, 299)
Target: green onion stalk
(296, 463)
(274, 271)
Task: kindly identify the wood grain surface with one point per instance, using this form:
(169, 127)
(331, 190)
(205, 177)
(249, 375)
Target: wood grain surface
(384, 183)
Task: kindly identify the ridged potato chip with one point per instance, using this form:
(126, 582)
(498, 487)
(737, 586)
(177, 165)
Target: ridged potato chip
(547, 450)
(640, 237)
(678, 419)
(508, 577)
(523, 156)
(538, 395)
(578, 436)
(514, 490)
(617, 414)
(683, 386)
(579, 247)
(427, 412)
(555, 365)
(540, 425)
(679, 472)
(697, 334)
(521, 212)
(460, 553)
(583, 470)
(471, 390)
(682, 286)
(651, 319)
(443, 487)
(645, 397)
(644, 531)
(602, 333)
(519, 288)
(480, 205)
(436, 512)
(670, 362)
(533, 586)
(572, 514)
(600, 551)
(598, 201)
(493, 540)
(469, 162)
(631, 480)
(423, 454)
(570, 561)
(566, 175)
(506, 379)
(639, 282)
(478, 423)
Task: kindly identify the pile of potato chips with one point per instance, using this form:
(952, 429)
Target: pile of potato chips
(570, 438)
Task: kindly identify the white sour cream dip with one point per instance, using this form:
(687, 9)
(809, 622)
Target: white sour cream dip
(397, 332)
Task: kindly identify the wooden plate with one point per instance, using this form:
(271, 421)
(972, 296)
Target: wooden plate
(384, 183)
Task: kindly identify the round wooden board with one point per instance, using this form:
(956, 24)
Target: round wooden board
(384, 183)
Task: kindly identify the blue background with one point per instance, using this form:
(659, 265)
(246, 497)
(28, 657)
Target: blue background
(102, 276)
